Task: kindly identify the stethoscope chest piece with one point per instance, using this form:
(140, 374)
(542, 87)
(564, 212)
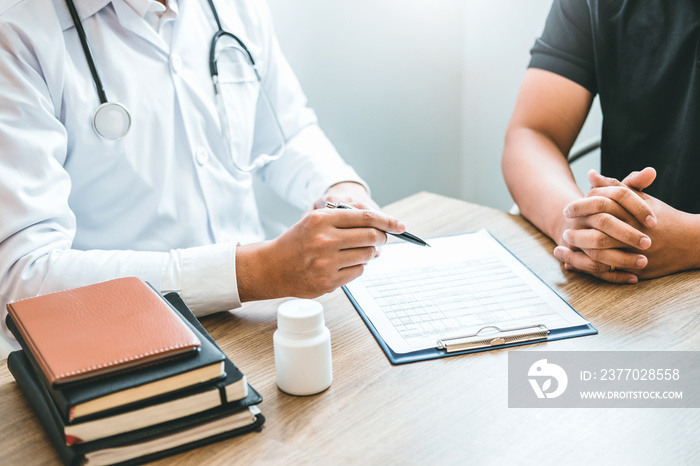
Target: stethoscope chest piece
(111, 120)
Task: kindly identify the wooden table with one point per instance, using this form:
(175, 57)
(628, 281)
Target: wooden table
(451, 410)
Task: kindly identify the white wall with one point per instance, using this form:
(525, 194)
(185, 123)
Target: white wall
(416, 94)
(498, 37)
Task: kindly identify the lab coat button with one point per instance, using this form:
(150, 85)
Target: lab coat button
(201, 156)
(175, 63)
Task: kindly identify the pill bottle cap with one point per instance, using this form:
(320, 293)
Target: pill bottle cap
(300, 316)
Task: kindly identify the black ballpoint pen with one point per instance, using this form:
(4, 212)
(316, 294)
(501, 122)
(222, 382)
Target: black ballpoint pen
(406, 236)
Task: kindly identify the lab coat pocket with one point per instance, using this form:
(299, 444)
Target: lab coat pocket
(240, 91)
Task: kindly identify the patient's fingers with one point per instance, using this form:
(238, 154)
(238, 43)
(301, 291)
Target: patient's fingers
(600, 200)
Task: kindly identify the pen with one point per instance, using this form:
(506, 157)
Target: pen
(406, 236)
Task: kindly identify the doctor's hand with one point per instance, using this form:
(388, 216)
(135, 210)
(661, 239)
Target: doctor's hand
(351, 193)
(604, 233)
(674, 239)
(326, 249)
(347, 192)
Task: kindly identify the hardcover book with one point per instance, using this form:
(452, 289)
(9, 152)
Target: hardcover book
(231, 389)
(115, 442)
(82, 400)
(141, 445)
(100, 329)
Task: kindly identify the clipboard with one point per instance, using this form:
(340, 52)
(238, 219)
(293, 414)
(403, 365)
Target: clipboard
(487, 337)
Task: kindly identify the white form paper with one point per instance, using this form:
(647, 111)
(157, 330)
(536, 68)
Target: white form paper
(415, 296)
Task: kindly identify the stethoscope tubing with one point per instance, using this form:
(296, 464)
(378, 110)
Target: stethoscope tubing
(86, 50)
(107, 111)
(214, 70)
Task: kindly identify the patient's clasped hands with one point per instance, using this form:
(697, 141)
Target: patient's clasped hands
(620, 234)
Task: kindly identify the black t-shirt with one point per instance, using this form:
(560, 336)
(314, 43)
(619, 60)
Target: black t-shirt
(643, 58)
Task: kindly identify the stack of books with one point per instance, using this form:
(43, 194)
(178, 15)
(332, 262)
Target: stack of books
(118, 374)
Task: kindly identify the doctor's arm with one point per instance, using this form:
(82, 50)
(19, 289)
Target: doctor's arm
(327, 247)
(548, 116)
(37, 225)
(311, 171)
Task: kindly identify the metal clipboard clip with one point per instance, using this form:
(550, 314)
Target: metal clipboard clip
(493, 336)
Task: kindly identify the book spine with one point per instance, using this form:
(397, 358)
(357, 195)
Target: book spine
(48, 416)
(58, 399)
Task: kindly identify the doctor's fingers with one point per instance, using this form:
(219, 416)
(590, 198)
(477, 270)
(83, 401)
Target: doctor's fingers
(330, 280)
(348, 274)
(601, 231)
(579, 261)
(365, 204)
(347, 266)
(355, 256)
(629, 199)
(354, 238)
(345, 218)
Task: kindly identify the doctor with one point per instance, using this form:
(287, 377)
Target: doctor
(160, 185)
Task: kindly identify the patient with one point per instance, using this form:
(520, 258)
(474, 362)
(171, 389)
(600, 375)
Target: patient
(641, 219)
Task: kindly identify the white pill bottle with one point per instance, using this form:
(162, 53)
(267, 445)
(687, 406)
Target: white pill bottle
(302, 344)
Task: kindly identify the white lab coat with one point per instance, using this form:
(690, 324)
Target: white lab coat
(164, 203)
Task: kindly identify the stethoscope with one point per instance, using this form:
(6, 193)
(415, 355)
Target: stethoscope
(112, 120)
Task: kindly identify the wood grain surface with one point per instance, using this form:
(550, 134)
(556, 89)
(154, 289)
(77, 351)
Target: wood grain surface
(451, 410)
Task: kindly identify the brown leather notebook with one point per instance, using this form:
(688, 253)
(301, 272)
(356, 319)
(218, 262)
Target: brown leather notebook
(100, 329)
